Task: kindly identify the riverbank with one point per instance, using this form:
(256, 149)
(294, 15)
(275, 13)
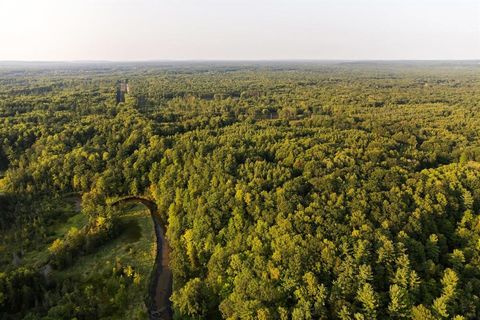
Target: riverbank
(161, 279)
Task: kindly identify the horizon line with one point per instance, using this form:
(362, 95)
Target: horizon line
(238, 60)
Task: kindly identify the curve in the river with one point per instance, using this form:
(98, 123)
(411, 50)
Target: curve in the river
(160, 288)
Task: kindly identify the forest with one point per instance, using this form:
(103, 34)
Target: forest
(289, 190)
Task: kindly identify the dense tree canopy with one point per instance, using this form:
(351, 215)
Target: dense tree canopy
(292, 191)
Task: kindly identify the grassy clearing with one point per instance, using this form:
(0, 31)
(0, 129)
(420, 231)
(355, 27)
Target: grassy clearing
(134, 247)
(36, 254)
(70, 218)
(78, 221)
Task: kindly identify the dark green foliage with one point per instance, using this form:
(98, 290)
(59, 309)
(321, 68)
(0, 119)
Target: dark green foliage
(80, 242)
(20, 290)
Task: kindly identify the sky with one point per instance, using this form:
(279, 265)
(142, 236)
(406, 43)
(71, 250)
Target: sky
(132, 30)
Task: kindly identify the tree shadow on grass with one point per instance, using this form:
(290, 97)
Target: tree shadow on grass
(132, 232)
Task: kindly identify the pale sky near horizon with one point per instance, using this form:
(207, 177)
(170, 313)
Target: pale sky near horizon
(239, 29)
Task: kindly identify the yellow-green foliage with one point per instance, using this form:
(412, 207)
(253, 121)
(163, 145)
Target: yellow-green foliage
(291, 190)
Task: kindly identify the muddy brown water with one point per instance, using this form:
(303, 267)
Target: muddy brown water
(161, 279)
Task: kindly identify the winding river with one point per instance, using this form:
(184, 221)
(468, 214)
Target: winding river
(160, 287)
(161, 279)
